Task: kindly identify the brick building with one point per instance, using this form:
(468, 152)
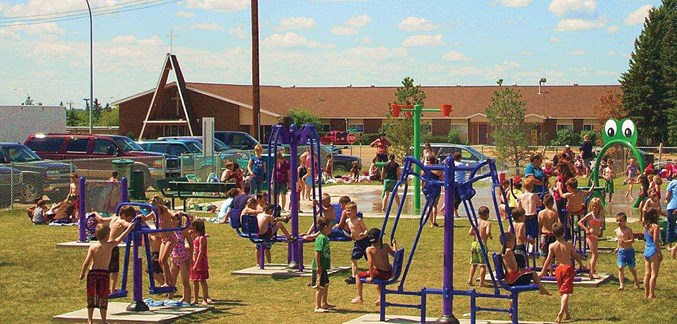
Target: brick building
(361, 108)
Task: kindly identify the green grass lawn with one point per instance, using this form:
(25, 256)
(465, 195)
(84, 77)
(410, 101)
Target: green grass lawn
(37, 281)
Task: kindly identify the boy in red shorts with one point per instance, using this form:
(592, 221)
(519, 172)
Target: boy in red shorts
(379, 265)
(563, 252)
(99, 256)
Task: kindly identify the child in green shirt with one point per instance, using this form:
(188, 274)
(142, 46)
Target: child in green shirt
(321, 263)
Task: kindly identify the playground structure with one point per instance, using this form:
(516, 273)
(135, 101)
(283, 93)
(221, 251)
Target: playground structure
(432, 191)
(415, 112)
(134, 241)
(102, 196)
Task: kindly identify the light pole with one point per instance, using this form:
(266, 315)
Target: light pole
(91, 64)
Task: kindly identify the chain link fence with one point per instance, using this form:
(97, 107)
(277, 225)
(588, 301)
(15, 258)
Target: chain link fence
(200, 168)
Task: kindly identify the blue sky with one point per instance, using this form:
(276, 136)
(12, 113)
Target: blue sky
(312, 43)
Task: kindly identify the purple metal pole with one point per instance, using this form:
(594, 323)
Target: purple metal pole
(124, 193)
(448, 279)
(137, 304)
(82, 219)
(294, 199)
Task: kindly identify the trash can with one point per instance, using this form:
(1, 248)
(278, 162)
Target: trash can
(663, 226)
(124, 168)
(137, 187)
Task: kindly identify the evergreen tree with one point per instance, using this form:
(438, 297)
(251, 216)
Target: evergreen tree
(647, 93)
(506, 117)
(96, 110)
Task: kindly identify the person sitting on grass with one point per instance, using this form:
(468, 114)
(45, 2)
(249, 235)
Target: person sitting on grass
(626, 253)
(564, 252)
(379, 265)
(515, 276)
(99, 256)
(476, 259)
(39, 213)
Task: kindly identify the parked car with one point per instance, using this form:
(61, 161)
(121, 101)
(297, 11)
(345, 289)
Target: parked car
(469, 155)
(204, 167)
(11, 185)
(335, 137)
(236, 140)
(174, 150)
(87, 152)
(342, 162)
(39, 176)
(218, 145)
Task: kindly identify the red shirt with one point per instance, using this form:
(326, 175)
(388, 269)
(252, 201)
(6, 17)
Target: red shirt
(381, 145)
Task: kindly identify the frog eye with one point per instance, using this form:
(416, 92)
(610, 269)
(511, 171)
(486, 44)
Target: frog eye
(610, 128)
(628, 128)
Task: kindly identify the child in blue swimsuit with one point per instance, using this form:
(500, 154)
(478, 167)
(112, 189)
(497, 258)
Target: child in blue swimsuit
(652, 254)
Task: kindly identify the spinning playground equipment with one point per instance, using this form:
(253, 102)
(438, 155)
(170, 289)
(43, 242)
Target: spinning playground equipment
(134, 241)
(102, 196)
(432, 190)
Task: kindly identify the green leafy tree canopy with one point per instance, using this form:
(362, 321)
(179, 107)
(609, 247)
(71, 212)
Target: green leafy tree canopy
(400, 131)
(303, 116)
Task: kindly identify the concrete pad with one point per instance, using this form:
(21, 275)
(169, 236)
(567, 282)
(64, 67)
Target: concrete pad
(78, 245)
(585, 280)
(117, 313)
(374, 318)
(275, 270)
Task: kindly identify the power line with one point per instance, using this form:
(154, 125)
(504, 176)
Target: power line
(70, 11)
(74, 16)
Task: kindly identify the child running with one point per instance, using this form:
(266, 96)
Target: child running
(476, 259)
(358, 232)
(321, 263)
(99, 255)
(626, 254)
(515, 276)
(199, 272)
(591, 224)
(652, 253)
(379, 265)
(563, 251)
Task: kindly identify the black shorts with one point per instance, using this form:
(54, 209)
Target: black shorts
(324, 279)
(155, 258)
(381, 157)
(360, 249)
(457, 199)
(114, 265)
(521, 256)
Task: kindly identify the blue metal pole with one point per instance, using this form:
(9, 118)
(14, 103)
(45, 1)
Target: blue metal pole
(448, 279)
(82, 219)
(294, 196)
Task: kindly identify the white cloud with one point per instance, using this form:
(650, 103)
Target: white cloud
(579, 24)
(39, 7)
(238, 32)
(637, 17)
(455, 56)
(527, 53)
(295, 23)
(563, 7)
(612, 53)
(290, 40)
(366, 40)
(416, 24)
(185, 14)
(207, 26)
(358, 21)
(220, 5)
(343, 30)
(577, 52)
(37, 29)
(423, 40)
(515, 3)
(554, 40)
(612, 29)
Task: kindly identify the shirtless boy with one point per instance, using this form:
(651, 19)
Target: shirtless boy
(546, 218)
(358, 232)
(575, 200)
(484, 228)
(118, 224)
(626, 253)
(529, 201)
(328, 213)
(99, 256)
(268, 227)
(379, 265)
(563, 252)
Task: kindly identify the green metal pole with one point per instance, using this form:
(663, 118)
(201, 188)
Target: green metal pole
(417, 155)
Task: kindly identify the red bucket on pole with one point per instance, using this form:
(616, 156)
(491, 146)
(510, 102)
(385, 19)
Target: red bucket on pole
(395, 110)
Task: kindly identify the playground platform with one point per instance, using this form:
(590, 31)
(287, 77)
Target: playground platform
(117, 313)
(374, 318)
(280, 270)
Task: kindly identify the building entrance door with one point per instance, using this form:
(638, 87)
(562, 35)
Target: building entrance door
(482, 130)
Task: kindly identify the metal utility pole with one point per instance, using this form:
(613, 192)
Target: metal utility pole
(91, 64)
(256, 86)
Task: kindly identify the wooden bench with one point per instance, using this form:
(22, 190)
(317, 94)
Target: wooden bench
(204, 190)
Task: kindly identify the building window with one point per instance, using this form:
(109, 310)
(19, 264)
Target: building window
(569, 127)
(587, 128)
(356, 128)
(322, 128)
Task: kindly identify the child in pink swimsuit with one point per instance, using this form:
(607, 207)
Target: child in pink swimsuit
(591, 224)
(199, 272)
(181, 259)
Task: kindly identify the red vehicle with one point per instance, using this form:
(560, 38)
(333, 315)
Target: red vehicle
(336, 137)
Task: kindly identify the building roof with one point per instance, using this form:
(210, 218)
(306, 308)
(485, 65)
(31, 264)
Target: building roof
(559, 102)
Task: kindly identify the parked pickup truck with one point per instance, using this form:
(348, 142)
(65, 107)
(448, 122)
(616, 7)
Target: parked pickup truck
(39, 176)
(236, 140)
(92, 154)
(336, 137)
(11, 185)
